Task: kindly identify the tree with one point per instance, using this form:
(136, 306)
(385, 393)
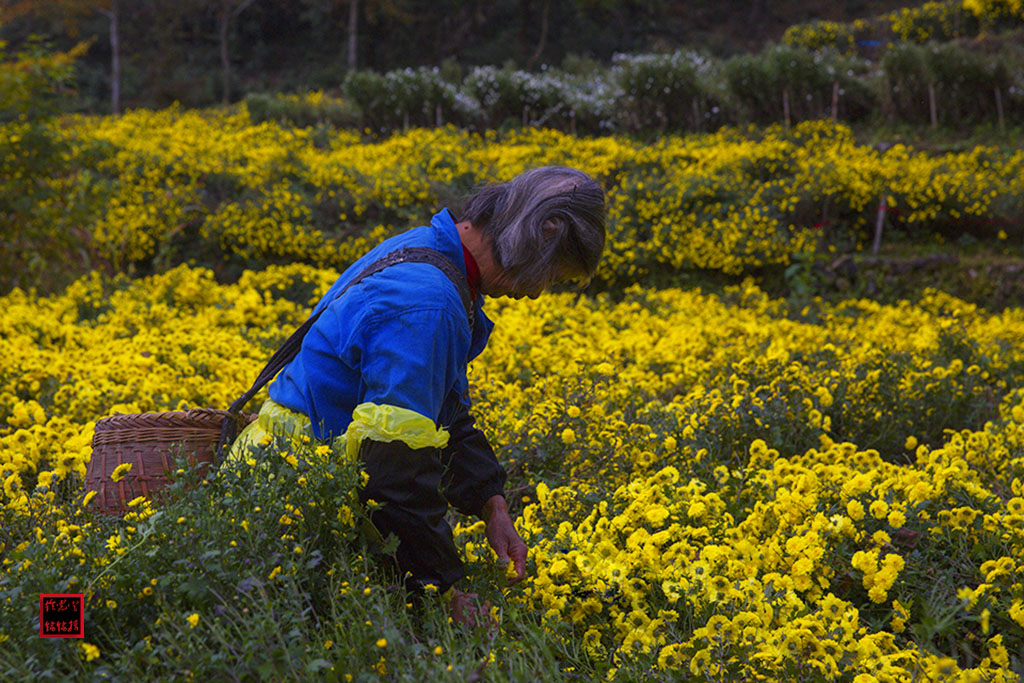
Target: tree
(229, 11)
(36, 216)
(393, 9)
(71, 12)
(353, 32)
(542, 41)
(112, 13)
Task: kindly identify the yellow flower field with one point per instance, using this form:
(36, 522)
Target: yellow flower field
(159, 188)
(713, 487)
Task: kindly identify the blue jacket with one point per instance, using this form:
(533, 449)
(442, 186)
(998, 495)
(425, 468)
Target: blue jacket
(400, 338)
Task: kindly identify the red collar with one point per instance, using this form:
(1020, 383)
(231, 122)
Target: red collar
(472, 271)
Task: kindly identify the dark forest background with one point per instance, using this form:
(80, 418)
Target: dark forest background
(200, 52)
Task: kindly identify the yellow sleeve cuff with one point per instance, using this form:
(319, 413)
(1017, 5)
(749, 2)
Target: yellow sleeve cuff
(273, 419)
(390, 423)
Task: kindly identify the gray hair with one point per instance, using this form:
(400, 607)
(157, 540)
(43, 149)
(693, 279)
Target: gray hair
(544, 224)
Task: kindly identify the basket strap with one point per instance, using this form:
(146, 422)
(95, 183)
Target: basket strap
(290, 348)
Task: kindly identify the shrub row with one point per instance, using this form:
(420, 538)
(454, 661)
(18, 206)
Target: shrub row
(948, 85)
(687, 91)
(944, 20)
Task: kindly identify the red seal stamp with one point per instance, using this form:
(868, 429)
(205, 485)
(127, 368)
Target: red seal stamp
(62, 615)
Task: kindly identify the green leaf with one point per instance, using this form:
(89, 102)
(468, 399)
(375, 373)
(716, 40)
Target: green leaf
(317, 665)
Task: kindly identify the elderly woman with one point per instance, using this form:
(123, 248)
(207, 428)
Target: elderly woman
(385, 362)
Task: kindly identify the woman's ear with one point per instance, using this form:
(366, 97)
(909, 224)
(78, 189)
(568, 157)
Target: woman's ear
(551, 227)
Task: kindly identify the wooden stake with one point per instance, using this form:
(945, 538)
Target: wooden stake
(878, 225)
(932, 106)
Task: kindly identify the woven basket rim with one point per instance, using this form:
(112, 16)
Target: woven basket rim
(137, 434)
(195, 418)
(191, 413)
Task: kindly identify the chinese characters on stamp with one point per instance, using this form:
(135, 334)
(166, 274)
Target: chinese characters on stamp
(62, 615)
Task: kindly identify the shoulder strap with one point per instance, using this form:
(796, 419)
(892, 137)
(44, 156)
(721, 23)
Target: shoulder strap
(290, 348)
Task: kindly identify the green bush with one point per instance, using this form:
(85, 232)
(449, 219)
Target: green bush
(945, 20)
(805, 75)
(659, 91)
(509, 96)
(259, 570)
(964, 83)
(760, 84)
(366, 89)
(906, 82)
(246, 547)
(592, 104)
(409, 97)
(752, 88)
(312, 109)
(422, 97)
(857, 94)
(1015, 93)
(819, 34)
(37, 209)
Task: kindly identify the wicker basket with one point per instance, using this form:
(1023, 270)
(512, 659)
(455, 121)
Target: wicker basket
(150, 442)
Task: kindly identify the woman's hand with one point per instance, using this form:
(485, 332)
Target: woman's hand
(503, 537)
(464, 610)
